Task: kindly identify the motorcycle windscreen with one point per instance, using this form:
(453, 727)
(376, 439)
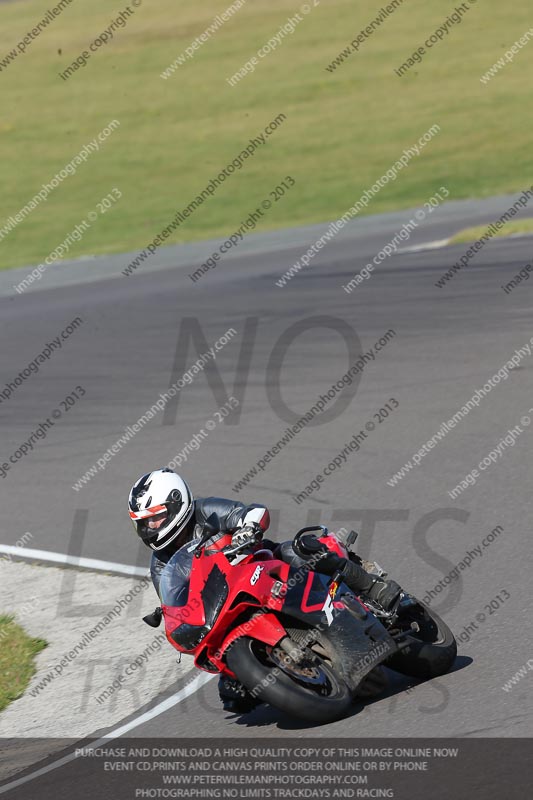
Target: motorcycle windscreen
(175, 578)
(174, 592)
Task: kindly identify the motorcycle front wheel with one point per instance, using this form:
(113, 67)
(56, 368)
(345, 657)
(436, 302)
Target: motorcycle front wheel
(309, 689)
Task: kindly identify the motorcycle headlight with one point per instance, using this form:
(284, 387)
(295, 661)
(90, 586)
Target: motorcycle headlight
(189, 636)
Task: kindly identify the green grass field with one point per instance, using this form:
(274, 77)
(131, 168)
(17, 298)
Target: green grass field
(343, 128)
(17, 654)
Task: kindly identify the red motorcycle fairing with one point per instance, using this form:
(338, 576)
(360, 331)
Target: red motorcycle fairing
(219, 593)
(264, 626)
(254, 598)
(307, 606)
(333, 544)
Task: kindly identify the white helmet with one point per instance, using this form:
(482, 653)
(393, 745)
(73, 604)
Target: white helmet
(160, 506)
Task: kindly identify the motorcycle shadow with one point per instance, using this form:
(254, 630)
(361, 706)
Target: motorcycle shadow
(397, 686)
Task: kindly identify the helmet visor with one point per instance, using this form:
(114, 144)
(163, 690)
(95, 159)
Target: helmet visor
(151, 524)
(156, 521)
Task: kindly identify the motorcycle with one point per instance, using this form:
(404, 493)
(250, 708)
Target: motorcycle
(296, 639)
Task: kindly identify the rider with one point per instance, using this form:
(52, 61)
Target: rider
(166, 516)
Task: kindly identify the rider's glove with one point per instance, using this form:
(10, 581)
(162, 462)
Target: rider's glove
(249, 533)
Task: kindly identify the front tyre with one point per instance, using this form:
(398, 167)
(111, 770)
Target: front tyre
(431, 649)
(310, 689)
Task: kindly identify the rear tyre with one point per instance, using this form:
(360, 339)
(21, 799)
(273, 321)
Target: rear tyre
(309, 690)
(431, 650)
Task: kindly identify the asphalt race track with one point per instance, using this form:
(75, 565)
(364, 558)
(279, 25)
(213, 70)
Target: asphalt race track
(299, 340)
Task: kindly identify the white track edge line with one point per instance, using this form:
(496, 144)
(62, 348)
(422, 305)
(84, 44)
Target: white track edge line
(418, 248)
(192, 687)
(75, 561)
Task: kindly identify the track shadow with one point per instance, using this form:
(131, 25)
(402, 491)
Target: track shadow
(265, 715)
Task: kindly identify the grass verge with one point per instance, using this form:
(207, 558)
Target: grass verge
(520, 227)
(17, 654)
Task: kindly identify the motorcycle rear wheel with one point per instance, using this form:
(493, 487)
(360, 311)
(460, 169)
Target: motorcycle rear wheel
(431, 650)
(319, 697)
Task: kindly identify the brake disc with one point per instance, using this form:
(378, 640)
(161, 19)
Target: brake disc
(303, 670)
